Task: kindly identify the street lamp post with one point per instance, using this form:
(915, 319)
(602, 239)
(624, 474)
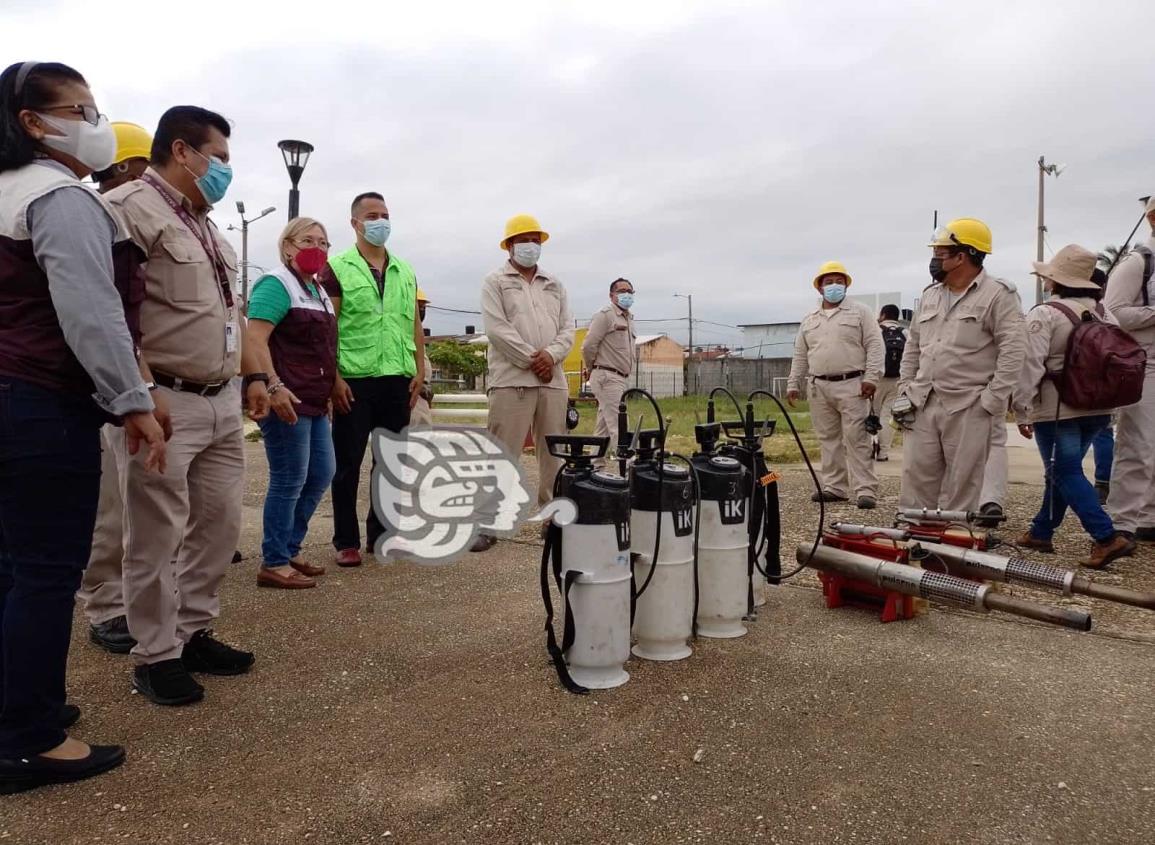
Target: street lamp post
(689, 297)
(244, 230)
(296, 155)
(1044, 169)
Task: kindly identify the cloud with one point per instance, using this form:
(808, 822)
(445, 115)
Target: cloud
(719, 149)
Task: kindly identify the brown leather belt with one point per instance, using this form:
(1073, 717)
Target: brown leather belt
(612, 370)
(840, 376)
(184, 386)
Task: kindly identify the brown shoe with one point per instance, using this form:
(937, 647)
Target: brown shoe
(306, 568)
(1026, 540)
(1103, 553)
(293, 581)
(348, 557)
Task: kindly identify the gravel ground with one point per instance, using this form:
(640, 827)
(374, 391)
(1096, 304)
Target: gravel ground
(400, 703)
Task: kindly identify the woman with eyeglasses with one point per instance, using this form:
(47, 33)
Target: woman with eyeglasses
(68, 364)
(293, 331)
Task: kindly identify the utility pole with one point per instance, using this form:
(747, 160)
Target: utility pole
(1044, 169)
(244, 230)
(689, 297)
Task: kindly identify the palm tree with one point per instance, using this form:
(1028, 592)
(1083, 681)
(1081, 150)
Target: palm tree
(1110, 256)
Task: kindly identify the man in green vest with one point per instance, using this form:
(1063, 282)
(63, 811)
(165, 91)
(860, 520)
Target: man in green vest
(380, 360)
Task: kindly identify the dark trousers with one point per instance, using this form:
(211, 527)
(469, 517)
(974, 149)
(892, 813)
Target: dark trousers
(381, 402)
(49, 488)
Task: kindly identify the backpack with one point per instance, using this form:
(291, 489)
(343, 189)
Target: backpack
(1148, 269)
(1103, 367)
(894, 339)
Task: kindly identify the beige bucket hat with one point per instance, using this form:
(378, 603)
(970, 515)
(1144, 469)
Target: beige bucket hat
(1071, 267)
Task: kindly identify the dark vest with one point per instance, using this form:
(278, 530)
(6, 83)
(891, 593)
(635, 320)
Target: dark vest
(304, 345)
(32, 344)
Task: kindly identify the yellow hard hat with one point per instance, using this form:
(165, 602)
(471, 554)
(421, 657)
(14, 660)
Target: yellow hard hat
(965, 231)
(832, 267)
(132, 141)
(421, 297)
(522, 224)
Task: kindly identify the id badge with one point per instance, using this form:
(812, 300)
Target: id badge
(231, 332)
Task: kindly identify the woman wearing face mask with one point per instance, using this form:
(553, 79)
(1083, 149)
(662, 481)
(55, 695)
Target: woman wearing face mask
(67, 365)
(293, 332)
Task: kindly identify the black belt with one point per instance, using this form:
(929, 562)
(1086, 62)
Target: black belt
(612, 370)
(184, 386)
(841, 376)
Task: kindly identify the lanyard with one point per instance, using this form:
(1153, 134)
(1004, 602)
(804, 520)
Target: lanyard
(190, 224)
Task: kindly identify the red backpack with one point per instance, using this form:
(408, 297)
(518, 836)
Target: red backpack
(1103, 367)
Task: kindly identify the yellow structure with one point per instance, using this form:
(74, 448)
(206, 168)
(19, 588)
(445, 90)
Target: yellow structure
(573, 363)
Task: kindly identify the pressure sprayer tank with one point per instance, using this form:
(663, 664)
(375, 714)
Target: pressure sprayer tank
(597, 546)
(723, 541)
(664, 613)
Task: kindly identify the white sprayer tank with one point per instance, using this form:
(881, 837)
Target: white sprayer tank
(664, 612)
(723, 579)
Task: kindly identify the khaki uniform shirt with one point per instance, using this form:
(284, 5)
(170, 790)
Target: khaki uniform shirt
(1124, 299)
(183, 318)
(610, 340)
(971, 351)
(833, 341)
(520, 318)
(1048, 331)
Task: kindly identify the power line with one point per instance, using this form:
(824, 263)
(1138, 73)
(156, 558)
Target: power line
(451, 310)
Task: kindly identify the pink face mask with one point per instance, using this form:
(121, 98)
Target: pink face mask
(311, 259)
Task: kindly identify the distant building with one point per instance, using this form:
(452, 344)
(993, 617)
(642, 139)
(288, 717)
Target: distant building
(768, 340)
(659, 365)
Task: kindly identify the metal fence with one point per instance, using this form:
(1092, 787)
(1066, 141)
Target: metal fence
(740, 375)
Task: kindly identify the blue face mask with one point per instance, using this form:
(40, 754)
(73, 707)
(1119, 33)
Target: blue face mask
(377, 231)
(216, 180)
(834, 293)
(626, 301)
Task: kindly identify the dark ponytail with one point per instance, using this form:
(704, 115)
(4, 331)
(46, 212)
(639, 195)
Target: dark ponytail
(37, 89)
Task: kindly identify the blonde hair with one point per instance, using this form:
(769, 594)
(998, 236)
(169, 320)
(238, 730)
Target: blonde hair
(297, 227)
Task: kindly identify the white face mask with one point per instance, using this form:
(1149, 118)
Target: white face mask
(526, 255)
(92, 146)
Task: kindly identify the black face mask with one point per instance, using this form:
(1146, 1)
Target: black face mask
(421, 313)
(936, 271)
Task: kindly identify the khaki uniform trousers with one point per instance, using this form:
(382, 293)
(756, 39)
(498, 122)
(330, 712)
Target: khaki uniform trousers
(513, 411)
(838, 413)
(102, 588)
(995, 473)
(183, 526)
(944, 456)
(421, 414)
(607, 388)
(883, 400)
(1132, 500)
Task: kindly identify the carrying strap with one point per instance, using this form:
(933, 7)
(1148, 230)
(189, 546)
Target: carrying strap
(1148, 270)
(552, 553)
(1075, 319)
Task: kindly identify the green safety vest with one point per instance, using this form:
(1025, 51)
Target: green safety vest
(375, 333)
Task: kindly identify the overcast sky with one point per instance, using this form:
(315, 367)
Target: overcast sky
(723, 149)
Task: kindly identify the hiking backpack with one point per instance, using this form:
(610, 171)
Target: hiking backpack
(1103, 366)
(894, 339)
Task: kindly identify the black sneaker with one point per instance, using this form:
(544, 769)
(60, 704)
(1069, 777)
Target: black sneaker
(1145, 535)
(827, 496)
(483, 543)
(1103, 489)
(112, 635)
(205, 654)
(167, 682)
(237, 556)
(21, 774)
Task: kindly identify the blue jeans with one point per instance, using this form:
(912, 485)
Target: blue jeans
(1065, 483)
(49, 487)
(1104, 448)
(301, 465)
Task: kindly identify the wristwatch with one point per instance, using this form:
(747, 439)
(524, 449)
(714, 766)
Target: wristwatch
(251, 377)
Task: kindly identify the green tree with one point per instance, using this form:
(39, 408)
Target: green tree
(458, 360)
(1109, 256)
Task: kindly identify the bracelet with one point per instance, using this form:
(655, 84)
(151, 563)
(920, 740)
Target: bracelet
(275, 386)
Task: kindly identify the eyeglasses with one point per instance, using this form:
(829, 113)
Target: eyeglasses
(90, 114)
(310, 241)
